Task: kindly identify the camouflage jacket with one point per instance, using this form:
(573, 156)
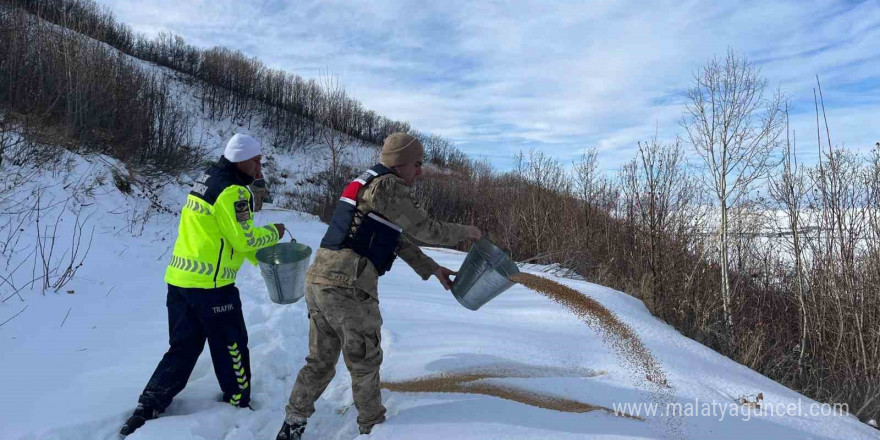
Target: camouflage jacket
(391, 197)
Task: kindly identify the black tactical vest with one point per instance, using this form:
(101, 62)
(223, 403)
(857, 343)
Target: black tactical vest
(374, 236)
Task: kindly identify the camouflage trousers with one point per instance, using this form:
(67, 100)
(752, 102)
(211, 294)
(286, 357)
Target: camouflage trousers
(347, 320)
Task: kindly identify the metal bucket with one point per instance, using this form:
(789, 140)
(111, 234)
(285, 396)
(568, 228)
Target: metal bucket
(485, 273)
(284, 269)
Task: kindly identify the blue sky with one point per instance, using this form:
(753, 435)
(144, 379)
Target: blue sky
(500, 77)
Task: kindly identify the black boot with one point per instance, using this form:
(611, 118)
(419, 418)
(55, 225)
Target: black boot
(246, 405)
(140, 416)
(291, 432)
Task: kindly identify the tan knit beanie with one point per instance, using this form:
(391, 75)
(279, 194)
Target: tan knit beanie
(401, 148)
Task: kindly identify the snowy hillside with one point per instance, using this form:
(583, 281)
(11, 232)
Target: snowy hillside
(76, 360)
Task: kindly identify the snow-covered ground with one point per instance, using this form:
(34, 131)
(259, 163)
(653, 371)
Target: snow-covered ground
(75, 361)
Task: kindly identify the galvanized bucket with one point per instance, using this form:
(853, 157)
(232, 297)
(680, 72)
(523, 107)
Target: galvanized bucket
(485, 273)
(284, 269)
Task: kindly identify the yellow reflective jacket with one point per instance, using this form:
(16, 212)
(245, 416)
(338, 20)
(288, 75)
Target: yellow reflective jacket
(216, 232)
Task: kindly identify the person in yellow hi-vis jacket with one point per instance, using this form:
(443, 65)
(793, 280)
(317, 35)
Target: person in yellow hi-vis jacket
(215, 236)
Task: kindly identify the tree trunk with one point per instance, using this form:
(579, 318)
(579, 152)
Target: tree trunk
(795, 224)
(725, 276)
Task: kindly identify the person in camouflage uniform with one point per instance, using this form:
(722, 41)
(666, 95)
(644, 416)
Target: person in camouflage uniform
(341, 288)
(260, 192)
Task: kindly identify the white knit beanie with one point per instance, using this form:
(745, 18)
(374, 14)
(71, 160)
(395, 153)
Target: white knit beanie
(241, 148)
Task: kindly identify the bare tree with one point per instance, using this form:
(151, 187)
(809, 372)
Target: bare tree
(789, 189)
(735, 129)
(586, 181)
(658, 192)
(329, 120)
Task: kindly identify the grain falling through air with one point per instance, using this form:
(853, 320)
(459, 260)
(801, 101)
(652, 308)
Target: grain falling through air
(618, 335)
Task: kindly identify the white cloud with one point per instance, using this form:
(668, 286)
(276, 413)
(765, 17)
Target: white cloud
(498, 77)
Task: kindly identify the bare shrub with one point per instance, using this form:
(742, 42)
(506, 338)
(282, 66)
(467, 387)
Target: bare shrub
(75, 92)
(232, 85)
(57, 270)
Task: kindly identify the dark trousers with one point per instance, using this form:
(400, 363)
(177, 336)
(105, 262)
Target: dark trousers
(195, 315)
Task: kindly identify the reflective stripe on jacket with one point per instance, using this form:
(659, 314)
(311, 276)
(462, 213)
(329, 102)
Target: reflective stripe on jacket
(216, 232)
